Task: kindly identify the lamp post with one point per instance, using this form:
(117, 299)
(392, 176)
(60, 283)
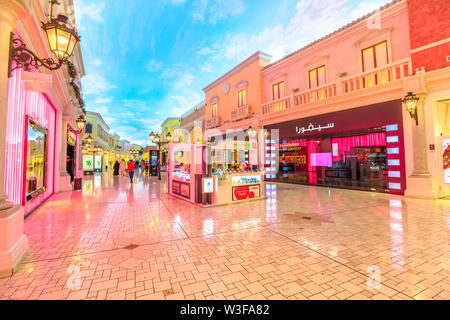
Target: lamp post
(156, 138)
(62, 38)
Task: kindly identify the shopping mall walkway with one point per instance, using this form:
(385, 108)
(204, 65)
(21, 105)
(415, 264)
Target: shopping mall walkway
(116, 241)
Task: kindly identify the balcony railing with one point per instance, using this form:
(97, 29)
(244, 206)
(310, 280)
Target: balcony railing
(316, 94)
(363, 81)
(212, 123)
(276, 105)
(242, 112)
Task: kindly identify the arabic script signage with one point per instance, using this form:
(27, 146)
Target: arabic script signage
(312, 127)
(355, 119)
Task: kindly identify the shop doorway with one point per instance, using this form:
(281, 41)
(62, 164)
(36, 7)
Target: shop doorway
(70, 162)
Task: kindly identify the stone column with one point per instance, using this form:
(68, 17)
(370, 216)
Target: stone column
(13, 243)
(420, 143)
(420, 183)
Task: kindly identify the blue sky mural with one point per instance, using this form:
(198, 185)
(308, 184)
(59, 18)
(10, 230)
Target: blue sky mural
(147, 60)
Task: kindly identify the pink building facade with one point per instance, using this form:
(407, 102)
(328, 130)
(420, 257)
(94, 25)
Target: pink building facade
(339, 101)
(39, 136)
(333, 110)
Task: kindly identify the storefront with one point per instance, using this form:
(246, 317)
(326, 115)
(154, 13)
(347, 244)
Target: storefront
(30, 166)
(88, 162)
(98, 162)
(360, 148)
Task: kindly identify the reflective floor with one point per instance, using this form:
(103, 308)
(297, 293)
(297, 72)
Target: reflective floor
(113, 240)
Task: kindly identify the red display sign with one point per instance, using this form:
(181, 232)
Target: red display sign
(181, 189)
(246, 192)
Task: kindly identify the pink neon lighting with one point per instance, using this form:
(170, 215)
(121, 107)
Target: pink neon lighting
(347, 143)
(23, 103)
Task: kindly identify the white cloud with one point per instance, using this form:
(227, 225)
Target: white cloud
(145, 91)
(207, 67)
(97, 62)
(133, 103)
(153, 66)
(184, 103)
(366, 7)
(103, 100)
(91, 11)
(94, 83)
(205, 51)
(179, 76)
(216, 10)
(317, 17)
(101, 110)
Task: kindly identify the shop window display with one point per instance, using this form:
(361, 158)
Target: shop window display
(182, 168)
(354, 161)
(36, 159)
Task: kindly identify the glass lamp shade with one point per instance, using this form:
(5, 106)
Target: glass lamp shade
(152, 136)
(81, 123)
(410, 102)
(168, 137)
(61, 36)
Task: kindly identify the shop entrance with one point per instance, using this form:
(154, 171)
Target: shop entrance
(70, 161)
(355, 161)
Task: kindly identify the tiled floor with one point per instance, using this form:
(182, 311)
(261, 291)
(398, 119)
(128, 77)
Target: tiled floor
(116, 241)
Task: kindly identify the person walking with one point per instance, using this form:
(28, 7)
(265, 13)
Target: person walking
(144, 167)
(131, 166)
(122, 168)
(116, 168)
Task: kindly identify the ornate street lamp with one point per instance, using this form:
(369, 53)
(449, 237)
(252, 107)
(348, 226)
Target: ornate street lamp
(61, 36)
(410, 102)
(81, 123)
(169, 137)
(89, 139)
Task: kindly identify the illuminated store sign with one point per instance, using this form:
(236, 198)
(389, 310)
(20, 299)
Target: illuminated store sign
(245, 180)
(88, 162)
(98, 162)
(311, 127)
(292, 144)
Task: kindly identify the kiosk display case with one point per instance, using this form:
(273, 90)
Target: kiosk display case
(199, 174)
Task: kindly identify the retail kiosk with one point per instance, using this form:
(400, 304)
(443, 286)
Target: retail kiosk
(200, 174)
